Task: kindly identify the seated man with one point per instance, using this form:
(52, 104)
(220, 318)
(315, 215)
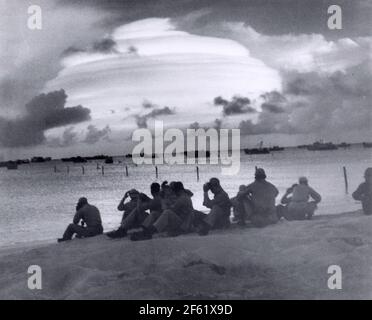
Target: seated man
(282, 208)
(175, 219)
(220, 205)
(88, 215)
(167, 194)
(262, 194)
(364, 192)
(127, 207)
(241, 206)
(134, 213)
(298, 206)
(154, 206)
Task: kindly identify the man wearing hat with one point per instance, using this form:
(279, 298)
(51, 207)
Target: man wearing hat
(261, 195)
(364, 192)
(175, 219)
(241, 206)
(133, 214)
(220, 205)
(91, 222)
(301, 201)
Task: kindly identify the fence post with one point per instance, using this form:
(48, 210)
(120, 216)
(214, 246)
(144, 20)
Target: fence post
(83, 169)
(126, 171)
(156, 172)
(103, 170)
(346, 181)
(197, 174)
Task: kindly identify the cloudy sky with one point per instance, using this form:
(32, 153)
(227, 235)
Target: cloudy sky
(100, 69)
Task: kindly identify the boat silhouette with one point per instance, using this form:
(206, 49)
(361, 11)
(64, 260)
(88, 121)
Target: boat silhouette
(12, 165)
(276, 148)
(259, 150)
(322, 146)
(109, 160)
(344, 145)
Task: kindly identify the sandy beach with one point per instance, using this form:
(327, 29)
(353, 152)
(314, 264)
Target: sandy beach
(286, 261)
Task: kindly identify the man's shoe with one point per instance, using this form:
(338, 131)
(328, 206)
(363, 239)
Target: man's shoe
(62, 240)
(140, 236)
(174, 233)
(204, 229)
(120, 233)
(242, 223)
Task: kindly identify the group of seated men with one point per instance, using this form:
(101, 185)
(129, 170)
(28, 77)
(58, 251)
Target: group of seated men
(170, 208)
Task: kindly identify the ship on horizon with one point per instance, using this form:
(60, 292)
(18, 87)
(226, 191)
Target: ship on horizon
(322, 146)
(344, 145)
(259, 150)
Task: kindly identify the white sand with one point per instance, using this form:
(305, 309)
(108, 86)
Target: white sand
(285, 261)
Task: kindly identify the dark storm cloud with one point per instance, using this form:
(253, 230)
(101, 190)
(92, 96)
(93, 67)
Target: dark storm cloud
(141, 120)
(195, 126)
(148, 105)
(272, 108)
(268, 123)
(133, 50)
(31, 59)
(353, 82)
(273, 97)
(219, 101)
(340, 101)
(44, 112)
(217, 124)
(272, 119)
(297, 85)
(94, 135)
(160, 112)
(238, 105)
(106, 45)
(266, 16)
(69, 138)
(71, 50)
(17, 88)
(274, 102)
(317, 103)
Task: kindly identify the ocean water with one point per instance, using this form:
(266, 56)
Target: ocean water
(37, 203)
